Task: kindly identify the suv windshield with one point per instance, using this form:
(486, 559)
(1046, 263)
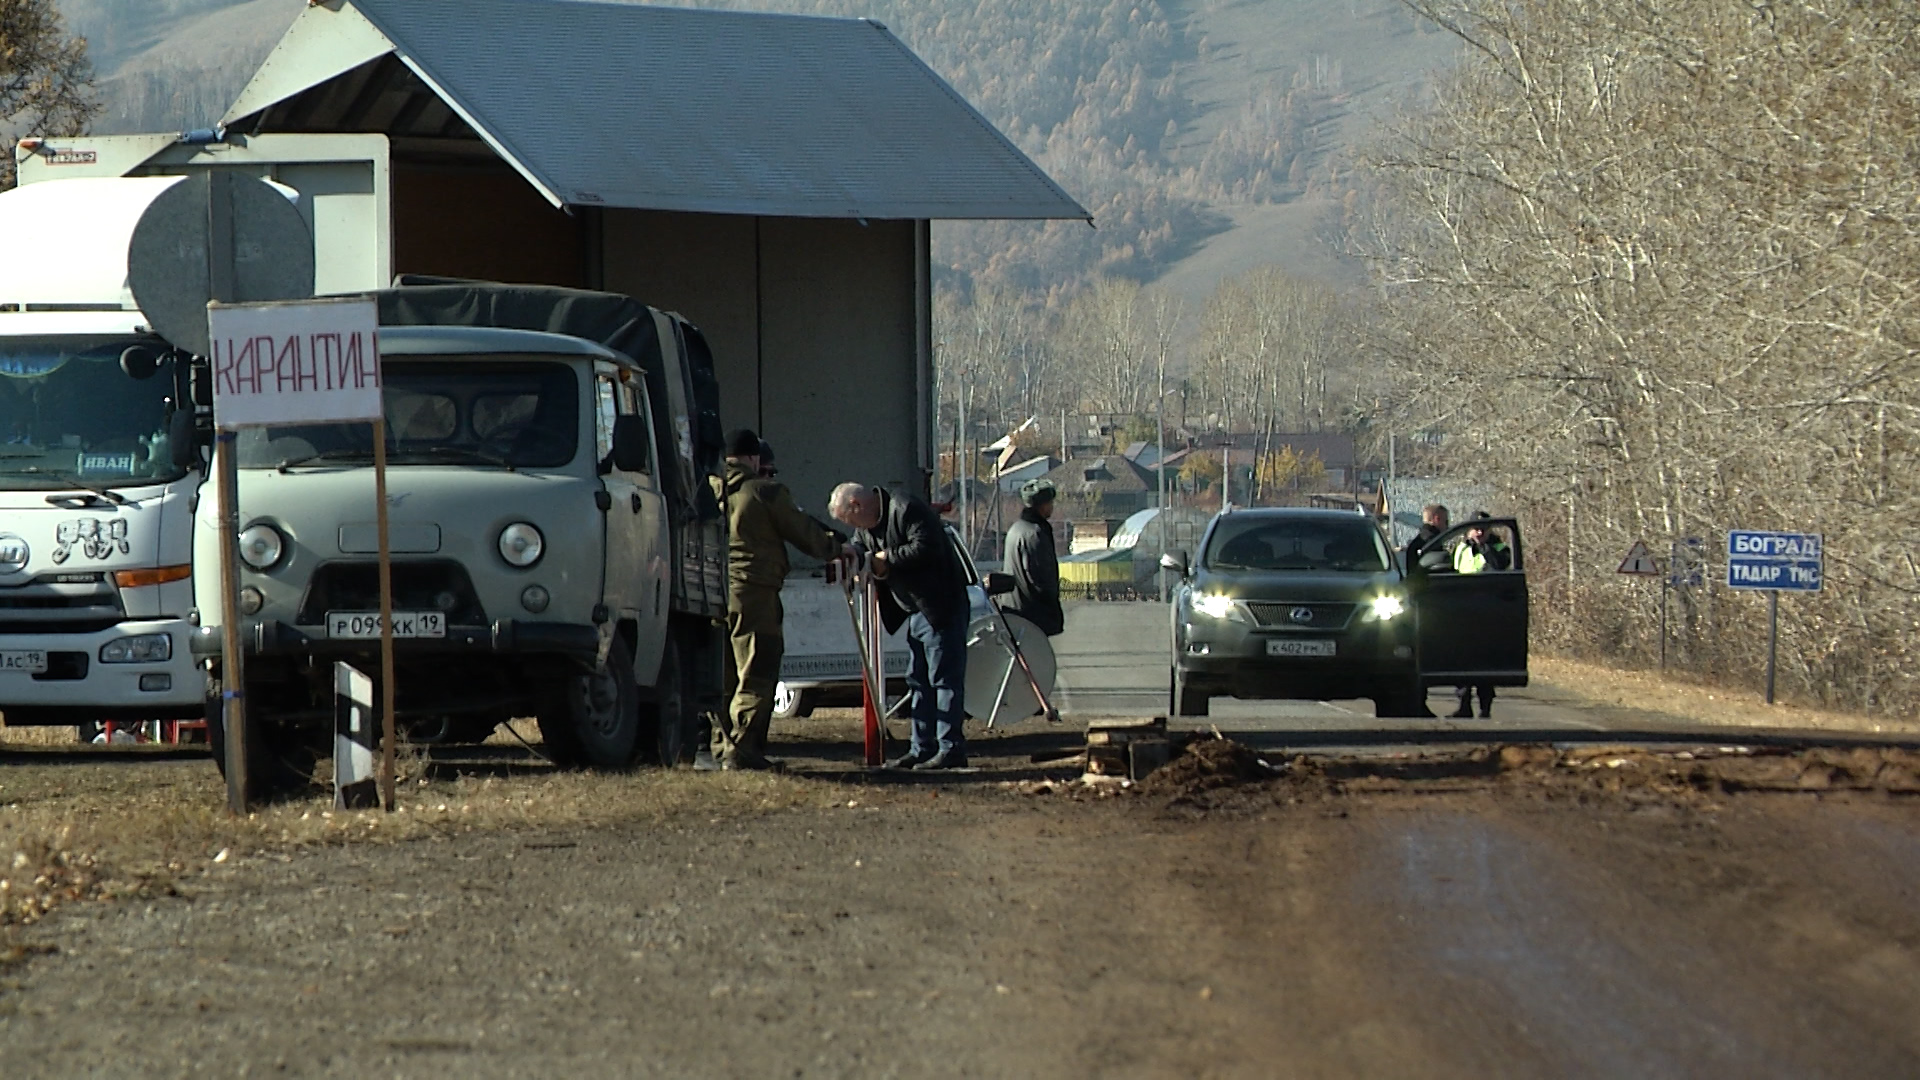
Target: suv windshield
(1253, 541)
(507, 414)
(70, 417)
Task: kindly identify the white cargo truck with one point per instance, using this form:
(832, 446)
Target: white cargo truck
(99, 469)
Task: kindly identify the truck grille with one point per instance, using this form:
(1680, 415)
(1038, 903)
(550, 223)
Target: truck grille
(1278, 615)
(423, 585)
(37, 608)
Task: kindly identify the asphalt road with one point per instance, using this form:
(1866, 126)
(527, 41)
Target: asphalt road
(1112, 660)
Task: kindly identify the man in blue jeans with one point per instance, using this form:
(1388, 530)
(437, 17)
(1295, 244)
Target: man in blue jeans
(925, 587)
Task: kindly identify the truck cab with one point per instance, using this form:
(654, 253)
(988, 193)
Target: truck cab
(538, 542)
(99, 470)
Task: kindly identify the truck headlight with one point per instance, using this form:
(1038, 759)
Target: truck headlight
(1387, 606)
(139, 649)
(261, 546)
(521, 544)
(1214, 606)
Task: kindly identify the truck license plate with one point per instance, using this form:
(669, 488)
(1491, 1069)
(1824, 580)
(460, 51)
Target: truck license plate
(26, 661)
(365, 625)
(1299, 648)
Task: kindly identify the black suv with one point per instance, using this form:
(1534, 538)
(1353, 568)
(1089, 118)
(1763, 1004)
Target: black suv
(1314, 604)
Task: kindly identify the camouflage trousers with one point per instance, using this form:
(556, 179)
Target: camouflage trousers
(757, 641)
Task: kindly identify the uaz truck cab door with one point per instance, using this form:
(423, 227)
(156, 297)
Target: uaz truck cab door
(636, 518)
(1472, 627)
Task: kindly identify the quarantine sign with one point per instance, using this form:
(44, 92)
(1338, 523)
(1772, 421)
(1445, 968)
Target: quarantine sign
(294, 362)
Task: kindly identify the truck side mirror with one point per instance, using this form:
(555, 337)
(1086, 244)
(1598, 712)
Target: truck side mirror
(999, 584)
(182, 446)
(200, 383)
(1176, 561)
(630, 444)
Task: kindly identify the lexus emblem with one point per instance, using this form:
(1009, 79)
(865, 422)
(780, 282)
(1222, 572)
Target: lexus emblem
(1301, 614)
(14, 554)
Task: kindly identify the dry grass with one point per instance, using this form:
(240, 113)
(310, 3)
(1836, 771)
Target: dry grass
(130, 827)
(1700, 703)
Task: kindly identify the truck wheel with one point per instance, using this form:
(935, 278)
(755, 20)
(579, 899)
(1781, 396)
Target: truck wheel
(664, 721)
(279, 763)
(1186, 701)
(792, 701)
(595, 721)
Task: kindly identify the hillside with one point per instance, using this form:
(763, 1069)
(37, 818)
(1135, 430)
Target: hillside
(1205, 135)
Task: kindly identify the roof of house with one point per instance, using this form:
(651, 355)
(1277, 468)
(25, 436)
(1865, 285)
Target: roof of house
(618, 104)
(1108, 474)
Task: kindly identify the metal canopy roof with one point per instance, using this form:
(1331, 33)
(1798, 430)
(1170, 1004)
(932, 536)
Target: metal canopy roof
(611, 103)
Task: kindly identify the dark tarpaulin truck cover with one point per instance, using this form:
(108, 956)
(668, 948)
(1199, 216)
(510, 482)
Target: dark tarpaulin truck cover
(618, 322)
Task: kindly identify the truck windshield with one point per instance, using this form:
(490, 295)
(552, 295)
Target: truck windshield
(1263, 542)
(506, 414)
(71, 417)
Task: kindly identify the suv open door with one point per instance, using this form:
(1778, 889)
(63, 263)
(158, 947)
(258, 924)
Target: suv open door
(1472, 627)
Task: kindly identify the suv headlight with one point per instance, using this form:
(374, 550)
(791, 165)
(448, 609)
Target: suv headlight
(261, 546)
(1387, 606)
(139, 649)
(1215, 606)
(521, 544)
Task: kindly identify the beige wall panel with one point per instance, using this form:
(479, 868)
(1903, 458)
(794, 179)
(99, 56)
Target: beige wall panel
(838, 381)
(702, 266)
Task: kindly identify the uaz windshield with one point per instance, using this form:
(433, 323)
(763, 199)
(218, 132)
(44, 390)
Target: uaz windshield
(1261, 542)
(511, 414)
(70, 417)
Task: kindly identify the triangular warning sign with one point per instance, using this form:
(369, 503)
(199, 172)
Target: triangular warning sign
(1639, 560)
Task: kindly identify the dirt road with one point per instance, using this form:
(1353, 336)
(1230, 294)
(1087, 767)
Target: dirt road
(1451, 921)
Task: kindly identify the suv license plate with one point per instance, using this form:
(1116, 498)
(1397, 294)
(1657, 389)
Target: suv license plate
(1299, 648)
(365, 625)
(27, 661)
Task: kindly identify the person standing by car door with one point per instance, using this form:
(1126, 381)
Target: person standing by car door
(1479, 552)
(1434, 520)
(1031, 559)
(761, 521)
(925, 588)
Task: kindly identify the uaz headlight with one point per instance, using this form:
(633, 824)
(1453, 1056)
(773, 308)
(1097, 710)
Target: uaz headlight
(521, 544)
(1214, 606)
(261, 546)
(1386, 607)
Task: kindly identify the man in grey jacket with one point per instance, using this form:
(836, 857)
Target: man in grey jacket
(1031, 559)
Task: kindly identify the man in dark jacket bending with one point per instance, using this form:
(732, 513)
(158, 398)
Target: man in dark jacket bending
(924, 586)
(1031, 559)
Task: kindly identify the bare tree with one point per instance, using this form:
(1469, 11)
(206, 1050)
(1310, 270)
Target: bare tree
(46, 82)
(1650, 265)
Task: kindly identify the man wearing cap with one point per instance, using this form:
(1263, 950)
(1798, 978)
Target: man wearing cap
(761, 521)
(1481, 551)
(1031, 559)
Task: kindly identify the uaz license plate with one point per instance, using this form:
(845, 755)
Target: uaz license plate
(1299, 648)
(365, 625)
(28, 661)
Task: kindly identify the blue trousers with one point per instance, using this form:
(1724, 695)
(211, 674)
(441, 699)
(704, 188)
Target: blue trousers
(936, 683)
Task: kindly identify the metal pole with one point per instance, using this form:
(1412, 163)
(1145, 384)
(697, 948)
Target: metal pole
(1773, 636)
(1160, 465)
(966, 509)
(387, 724)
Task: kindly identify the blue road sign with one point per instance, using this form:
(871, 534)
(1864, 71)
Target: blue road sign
(1788, 562)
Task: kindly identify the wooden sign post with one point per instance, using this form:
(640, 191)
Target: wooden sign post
(279, 364)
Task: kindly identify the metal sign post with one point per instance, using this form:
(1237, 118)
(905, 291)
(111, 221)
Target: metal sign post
(1775, 562)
